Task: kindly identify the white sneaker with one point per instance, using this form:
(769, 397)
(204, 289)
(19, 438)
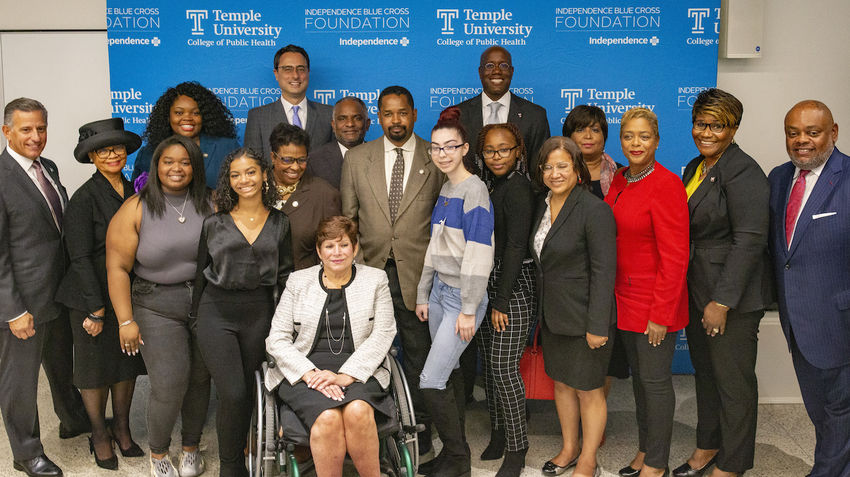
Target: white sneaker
(191, 464)
(162, 467)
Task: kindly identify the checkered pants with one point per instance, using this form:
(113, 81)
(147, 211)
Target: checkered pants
(501, 353)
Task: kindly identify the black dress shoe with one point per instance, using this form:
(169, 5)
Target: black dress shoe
(550, 468)
(39, 466)
(628, 471)
(685, 470)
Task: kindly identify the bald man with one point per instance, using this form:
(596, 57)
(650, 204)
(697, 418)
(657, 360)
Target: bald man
(810, 244)
(350, 122)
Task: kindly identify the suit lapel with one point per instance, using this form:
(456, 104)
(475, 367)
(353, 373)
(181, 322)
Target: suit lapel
(27, 187)
(566, 210)
(377, 177)
(311, 119)
(538, 216)
(830, 175)
(54, 176)
(702, 189)
(475, 112)
(278, 115)
(303, 188)
(419, 172)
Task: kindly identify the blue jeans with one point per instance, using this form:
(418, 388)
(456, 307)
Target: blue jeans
(446, 346)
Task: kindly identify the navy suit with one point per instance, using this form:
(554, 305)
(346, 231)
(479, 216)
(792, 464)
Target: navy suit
(813, 285)
(263, 119)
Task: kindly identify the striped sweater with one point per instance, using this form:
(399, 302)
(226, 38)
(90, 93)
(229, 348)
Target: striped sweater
(461, 246)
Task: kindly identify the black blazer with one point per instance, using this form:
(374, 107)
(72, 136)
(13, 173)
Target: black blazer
(729, 217)
(529, 117)
(577, 266)
(263, 119)
(326, 162)
(32, 256)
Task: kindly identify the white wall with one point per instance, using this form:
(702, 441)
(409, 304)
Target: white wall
(805, 55)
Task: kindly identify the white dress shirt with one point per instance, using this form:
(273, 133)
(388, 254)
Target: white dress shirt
(390, 157)
(505, 101)
(302, 111)
(811, 180)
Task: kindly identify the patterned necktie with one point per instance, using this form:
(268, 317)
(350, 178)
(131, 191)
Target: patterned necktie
(296, 120)
(493, 118)
(795, 201)
(53, 199)
(396, 184)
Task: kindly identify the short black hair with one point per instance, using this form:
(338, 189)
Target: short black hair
(285, 133)
(291, 49)
(398, 91)
(582, 116)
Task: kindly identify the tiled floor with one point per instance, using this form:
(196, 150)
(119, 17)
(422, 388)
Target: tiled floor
(785, 437)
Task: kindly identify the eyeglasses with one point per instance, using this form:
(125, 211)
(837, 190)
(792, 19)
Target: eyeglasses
(435, 149)
(289, 160)
(501, 66)
(105, 152)
(560, 167)
(715, 127)
(503, 152)
(300, 69)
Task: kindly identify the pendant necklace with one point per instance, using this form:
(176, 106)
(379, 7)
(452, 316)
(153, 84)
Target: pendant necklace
(330, 337)
(181, 218)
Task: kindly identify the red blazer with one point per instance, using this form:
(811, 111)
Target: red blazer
(652, 250)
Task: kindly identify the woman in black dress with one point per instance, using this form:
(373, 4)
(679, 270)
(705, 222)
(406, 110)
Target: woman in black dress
(100, 368)
(244, 259)
(330, 336)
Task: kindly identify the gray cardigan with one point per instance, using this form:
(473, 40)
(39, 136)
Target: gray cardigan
(298, 315)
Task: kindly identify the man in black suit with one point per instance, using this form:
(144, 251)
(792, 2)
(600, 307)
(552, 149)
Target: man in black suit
(496, 104)
(350, 123)
(292, 72)
(32, 263)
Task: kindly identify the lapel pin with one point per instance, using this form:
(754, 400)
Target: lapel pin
(295, 204)
(713, 178)
(421, 171)
(519, 115)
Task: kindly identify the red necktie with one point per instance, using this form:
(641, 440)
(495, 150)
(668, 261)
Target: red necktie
(53, 199)
(795, 201)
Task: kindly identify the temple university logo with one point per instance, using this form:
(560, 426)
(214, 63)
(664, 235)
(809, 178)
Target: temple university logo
(447, 15)
(196, 16)
(571, 95)
(324, 96)
(698, 15)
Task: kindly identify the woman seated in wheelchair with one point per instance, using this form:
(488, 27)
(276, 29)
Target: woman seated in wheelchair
(330, 336)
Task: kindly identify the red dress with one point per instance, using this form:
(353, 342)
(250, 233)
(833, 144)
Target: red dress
(652, 250)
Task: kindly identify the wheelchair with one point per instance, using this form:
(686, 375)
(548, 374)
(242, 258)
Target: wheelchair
(273, 451)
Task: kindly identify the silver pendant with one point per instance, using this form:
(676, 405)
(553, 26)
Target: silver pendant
(181, 219)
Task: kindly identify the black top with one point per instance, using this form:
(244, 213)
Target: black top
(227, 260)
(86, 219)
(596, 186)
(513, 203)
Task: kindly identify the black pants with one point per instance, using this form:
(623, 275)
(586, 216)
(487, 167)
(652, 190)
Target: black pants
(232, 328)
(415, 342)
(58, 364)
(726, 387)
(655, 400)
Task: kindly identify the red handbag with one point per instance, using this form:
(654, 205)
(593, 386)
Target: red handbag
(538, 385)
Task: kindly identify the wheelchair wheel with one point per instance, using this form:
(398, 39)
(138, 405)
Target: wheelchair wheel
(407, 447)
(263, 445)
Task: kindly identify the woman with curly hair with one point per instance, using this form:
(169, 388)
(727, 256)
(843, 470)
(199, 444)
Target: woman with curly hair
(190, 110)
(244, 259)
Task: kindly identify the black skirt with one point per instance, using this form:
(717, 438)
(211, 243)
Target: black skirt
(98, 360)
(569, 360)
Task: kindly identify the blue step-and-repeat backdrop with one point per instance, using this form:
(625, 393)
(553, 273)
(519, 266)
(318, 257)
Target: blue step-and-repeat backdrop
(617, 54)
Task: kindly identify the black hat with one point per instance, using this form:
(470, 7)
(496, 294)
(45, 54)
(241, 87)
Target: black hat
(104, 133)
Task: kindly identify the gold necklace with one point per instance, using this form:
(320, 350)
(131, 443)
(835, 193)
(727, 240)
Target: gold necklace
(283, 190)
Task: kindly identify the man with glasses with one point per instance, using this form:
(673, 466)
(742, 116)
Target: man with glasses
(389, 187)
(496, 105)
(350, 123)
(292, 72)
(36, 328)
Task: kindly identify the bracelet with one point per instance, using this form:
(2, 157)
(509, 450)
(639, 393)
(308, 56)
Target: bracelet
(95, 318)
(722, 305)
(125, 323)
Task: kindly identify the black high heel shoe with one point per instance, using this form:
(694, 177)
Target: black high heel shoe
(133, 451)
(108, 464)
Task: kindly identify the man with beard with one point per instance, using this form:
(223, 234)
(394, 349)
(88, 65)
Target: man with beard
(810, 244)
(350, 122)
(496, 104)
(389, 187)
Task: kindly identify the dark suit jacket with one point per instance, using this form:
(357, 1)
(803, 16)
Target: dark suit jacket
(529, 117)
(729, 218)
(813, 276)
(263, 119)
(326, 162)
(577, 266)
(312, 201)
(32, 256)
